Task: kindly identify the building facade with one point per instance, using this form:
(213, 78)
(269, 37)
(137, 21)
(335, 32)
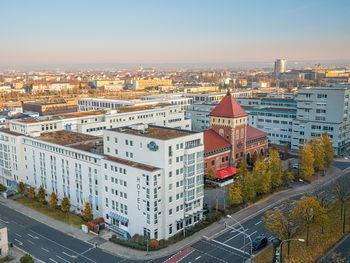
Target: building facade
(320, 110)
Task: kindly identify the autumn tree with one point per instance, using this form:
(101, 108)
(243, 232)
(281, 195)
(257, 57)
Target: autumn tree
(234, 193)
(41, 194)
(87, 213)
(211, 174)
(21, 188)
(287, 177)
(309, 211)
(242, 169)
(262, 177)
(31, 192)
(342, 193)
(53, 200)
(306, 161)
(65, 205)
(282, 225)
(328, 149)
(248, 188)
(275, 168)
(319, 154)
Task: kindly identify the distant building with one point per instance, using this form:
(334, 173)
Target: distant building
(280, 67)
(50, 108)
(141, 84)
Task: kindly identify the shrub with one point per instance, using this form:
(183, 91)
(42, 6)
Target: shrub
(153, 244)
(2, 188)
(26, 259)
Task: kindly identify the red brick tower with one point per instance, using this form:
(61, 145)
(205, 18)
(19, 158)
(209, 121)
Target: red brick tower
(230, 121)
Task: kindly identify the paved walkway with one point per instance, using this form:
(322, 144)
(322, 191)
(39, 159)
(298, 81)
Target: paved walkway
(210, 231)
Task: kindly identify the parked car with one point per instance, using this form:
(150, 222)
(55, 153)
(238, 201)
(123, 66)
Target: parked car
(259, 242)
(295, 166)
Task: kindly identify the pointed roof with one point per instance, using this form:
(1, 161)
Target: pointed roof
(228, 108)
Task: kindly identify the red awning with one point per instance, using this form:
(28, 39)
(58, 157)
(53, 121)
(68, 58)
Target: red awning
(226, 172)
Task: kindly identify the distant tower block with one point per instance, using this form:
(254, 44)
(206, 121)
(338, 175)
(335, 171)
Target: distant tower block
(280, 67)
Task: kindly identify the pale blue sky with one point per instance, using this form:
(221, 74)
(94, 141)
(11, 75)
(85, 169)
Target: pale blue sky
(53, 32)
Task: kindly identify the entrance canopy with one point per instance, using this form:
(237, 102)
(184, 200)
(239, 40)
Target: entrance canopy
(226, 172)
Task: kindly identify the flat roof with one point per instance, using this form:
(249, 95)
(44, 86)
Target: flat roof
(156, 132)
(66, 137)
(143, 107)
(141, 166)
(92, 147)
(10, 132)
(69, 115)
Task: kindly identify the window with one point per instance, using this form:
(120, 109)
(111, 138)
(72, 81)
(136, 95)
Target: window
(116, 140)
(170, 199)
(170, 229)
(170, 186)
(170, 212)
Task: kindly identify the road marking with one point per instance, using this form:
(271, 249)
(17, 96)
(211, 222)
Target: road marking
(6, 222)
(68, 255)
(45, 249)
(258, 223)
(63, 246)
(253, 233)
(53, 260)
(18, 235)
(234, 248)
(32, 236)
(62, 259)
(19, 242)
(232, 237)
(198, 257)
(30, 242)
(91, 248)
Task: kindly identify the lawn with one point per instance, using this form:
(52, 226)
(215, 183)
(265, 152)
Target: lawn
(70, 218)
(320, 241)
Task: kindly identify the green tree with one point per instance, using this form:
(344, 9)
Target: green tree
(65, 205)
(275, 168)
(242, 169)
(234, 193)
(328, 149)
(309, 211)
(87, 213)
(41, 194)
(21, 188)
(26, 259)
(282, 225)
(31, 193)
(287, 177)
(319, 154)
(53, 200)
(262, 177)
(306, 161)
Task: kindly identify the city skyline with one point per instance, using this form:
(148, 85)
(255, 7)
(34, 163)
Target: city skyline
(45, 34)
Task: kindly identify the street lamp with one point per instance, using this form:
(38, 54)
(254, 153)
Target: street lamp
(241, 232)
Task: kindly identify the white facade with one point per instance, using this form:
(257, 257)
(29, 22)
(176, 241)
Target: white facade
(217, 97)
(145, 181)
(280, 66)
(320, 110)
(95, 122)
(88, 104)
(4, 244)
(161, 197)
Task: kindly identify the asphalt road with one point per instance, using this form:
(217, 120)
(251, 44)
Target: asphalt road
(50, 245)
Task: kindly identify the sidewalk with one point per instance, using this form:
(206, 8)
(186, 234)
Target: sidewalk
(210, 231)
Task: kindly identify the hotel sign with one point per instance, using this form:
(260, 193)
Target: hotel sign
(152, 146)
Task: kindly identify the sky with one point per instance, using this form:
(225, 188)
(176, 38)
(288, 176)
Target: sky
(63, 32)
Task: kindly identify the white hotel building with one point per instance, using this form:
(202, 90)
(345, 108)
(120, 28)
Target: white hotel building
(142, 179)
